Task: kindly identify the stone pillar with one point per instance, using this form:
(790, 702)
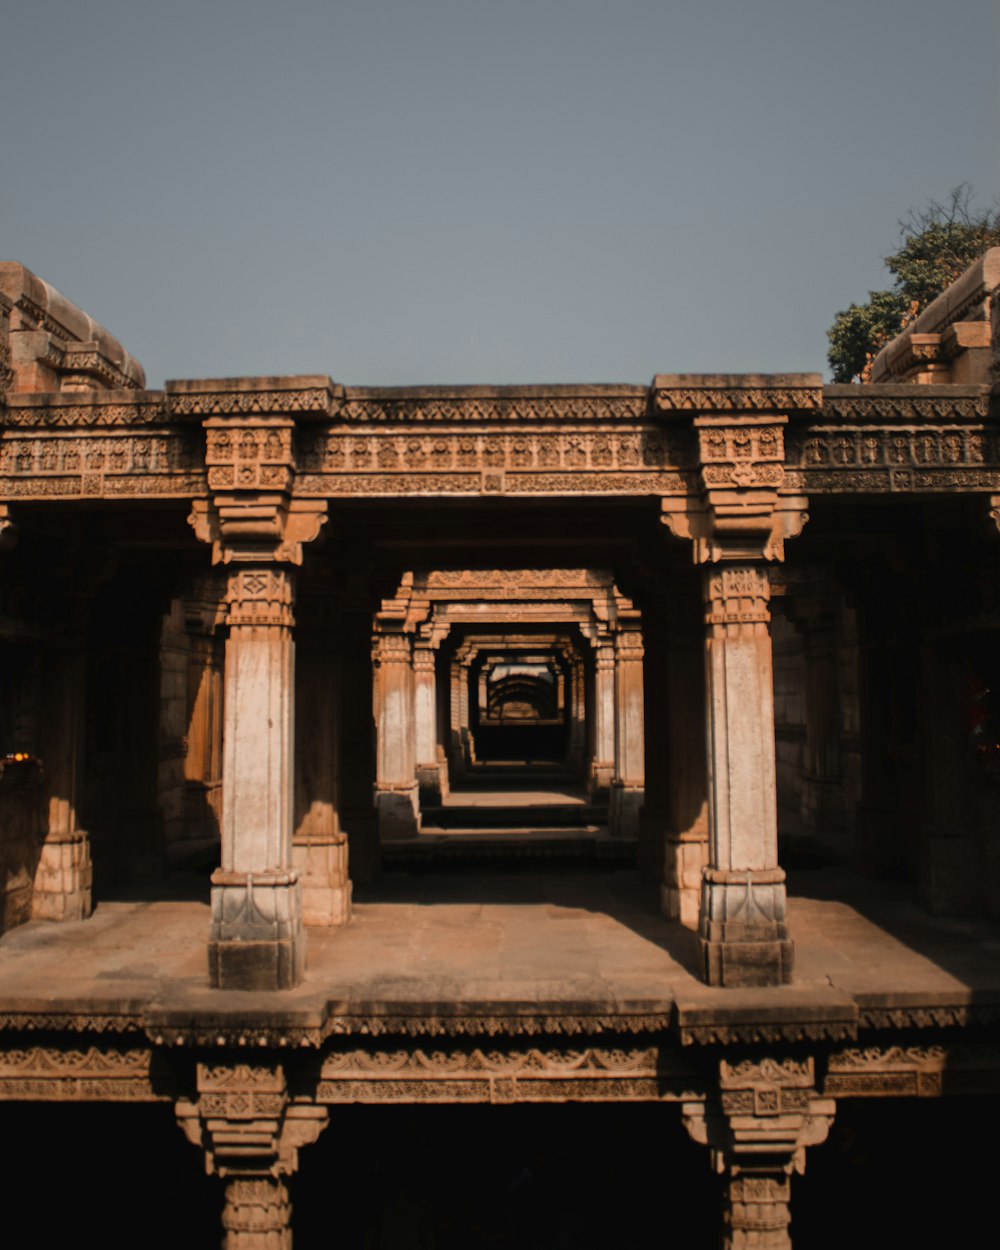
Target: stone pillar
(461, 734)
(251, 1133)
(686, 850)
(396, 793)
(256, 939)
(319, 847)
(744, 938)
(757, 1126)
(654, 818)
(576, 749)
(257, 529)
(629, 778)
(358, 817)
(64, 875)
(602, 769)
(738, 522)
(425, 710)
(203, 760)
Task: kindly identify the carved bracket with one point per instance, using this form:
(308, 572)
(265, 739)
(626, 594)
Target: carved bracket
(246, 1122)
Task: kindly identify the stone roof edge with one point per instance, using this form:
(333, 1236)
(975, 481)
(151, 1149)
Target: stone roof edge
(40, 299)
(969, 292)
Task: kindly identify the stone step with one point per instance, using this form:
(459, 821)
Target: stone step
(458, 848)
(526, 816)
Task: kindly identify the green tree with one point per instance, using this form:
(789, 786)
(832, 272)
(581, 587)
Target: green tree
(938, 244)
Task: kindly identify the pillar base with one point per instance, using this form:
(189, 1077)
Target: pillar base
(257, 941)
(63, 878)
(429, 785)
(683, 868)
(743, 936)
(741, 964)
(623, 809)
(601, 776)
(321, 862)
(398, 813)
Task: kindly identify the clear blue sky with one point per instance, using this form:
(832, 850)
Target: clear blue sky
(397, 191)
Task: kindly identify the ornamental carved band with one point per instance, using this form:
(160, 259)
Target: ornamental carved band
(745, 455)
(737, 596)
(260, 597)
(250, 457)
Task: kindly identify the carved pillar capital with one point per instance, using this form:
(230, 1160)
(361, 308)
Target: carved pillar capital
(765, 1114)
(251, 514)
(251, 1133)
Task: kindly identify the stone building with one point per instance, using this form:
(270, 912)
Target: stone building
(306, 636)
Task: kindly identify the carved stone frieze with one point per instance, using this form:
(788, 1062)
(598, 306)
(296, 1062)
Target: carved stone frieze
(94, 1074)
(626, 1073)
(515, 459)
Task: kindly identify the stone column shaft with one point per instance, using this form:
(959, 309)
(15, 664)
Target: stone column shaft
(203, 760)
(64, 875)
(629, 778)
(743, 933)
(319, 846)
(425, 706)
(396, 795)
(256, 938)
(577, 737)
(358, 817)
(686, 852)
(603, 766)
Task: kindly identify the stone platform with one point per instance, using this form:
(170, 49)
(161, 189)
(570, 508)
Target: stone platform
(434, 946)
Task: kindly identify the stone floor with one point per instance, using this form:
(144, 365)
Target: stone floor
(535, 936)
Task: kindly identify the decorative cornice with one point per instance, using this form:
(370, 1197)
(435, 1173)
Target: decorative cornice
(928, 1016)
(220, 1031)
(75, 410)
(311, 396)
(736, 393)
(364, 405)
(886, 404)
